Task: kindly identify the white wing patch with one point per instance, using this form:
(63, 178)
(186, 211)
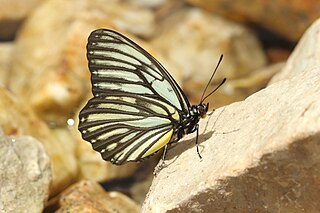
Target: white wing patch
(120, 87)
(116, 74)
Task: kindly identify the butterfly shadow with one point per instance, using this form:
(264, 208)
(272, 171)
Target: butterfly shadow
(176, 149)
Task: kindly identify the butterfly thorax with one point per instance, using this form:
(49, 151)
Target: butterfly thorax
(189, 122)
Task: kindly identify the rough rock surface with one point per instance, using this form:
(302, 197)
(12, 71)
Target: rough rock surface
(88, 196)
(25, 174)
(258, 155)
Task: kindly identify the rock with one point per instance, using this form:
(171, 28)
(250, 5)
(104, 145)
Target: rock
(287, 19)
(148, 3)
(161, 8)
(258, 155)
(25, 174)
(5, 62)
(16, 119)
(49, 69)
(93, 167)
(13, 13)
(305, 55)
(88, 196)
(237, 89)
(250, 84)
(198, 40)
(277, 54)
(142, 179)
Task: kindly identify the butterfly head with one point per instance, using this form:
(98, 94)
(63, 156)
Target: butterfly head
(202, 110)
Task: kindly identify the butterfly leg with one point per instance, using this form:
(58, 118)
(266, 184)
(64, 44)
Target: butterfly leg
(164, 153)
(161, 165)
(197, 144)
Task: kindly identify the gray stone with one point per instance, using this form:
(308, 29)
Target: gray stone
(25, 174)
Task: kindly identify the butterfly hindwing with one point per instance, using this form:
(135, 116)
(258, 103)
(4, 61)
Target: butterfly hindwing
(126, 128)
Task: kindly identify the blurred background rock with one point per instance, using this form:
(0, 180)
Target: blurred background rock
(45, 80)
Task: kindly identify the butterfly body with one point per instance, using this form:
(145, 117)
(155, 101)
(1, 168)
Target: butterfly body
(189, 122)
(137, 107)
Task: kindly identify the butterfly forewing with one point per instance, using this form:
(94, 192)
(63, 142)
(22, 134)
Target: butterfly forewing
(118, 65)
(136, 105)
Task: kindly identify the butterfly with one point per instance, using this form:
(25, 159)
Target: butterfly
(137, 107)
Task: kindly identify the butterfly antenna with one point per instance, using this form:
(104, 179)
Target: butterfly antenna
(214, 72)
(222, 82)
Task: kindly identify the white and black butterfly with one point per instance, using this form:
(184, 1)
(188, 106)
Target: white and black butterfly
(137, 108)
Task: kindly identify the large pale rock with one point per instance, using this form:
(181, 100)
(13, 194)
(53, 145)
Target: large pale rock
(287, 18)
(49, 69)
(25, 174)
(16, 118)
(258, 155)
(305, 55)
(12, 14)
(88, 196)
(198, 40)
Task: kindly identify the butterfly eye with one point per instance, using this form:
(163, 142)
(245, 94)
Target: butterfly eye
(203, 108)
